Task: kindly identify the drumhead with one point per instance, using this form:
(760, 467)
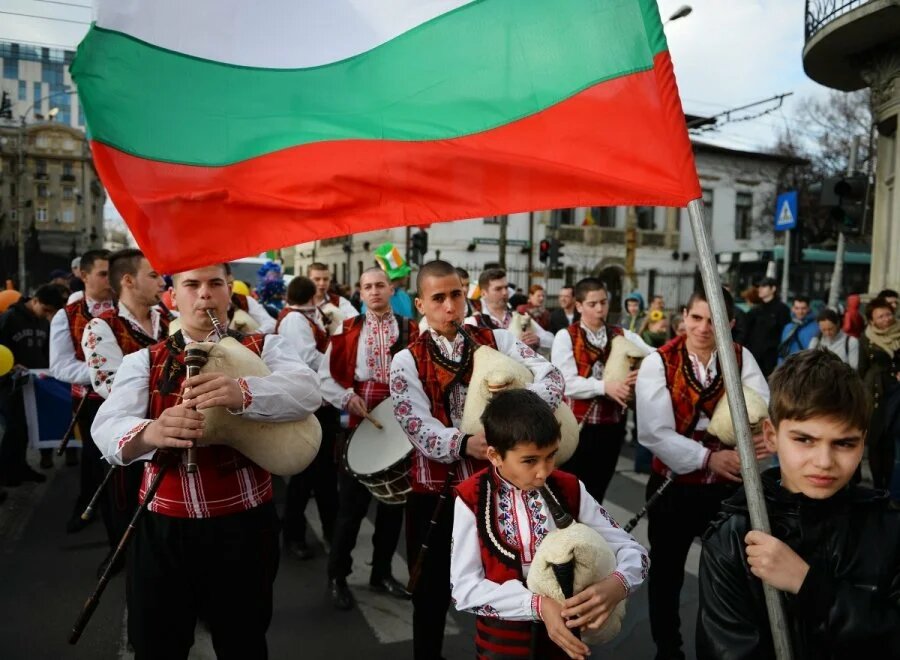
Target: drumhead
(371, 450)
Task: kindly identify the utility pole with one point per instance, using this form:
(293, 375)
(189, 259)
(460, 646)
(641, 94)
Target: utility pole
(785, 274)
(501, 257)
(837, 275)
(20, 212)
(530, 245)
(631, 245)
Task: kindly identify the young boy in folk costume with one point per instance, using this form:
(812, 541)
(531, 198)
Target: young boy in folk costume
(321, 277)
(835, 547)
(302, 326)
(495, 313)
(501, 518)
(678, 388)
(580, 352)
(429, 381)
(135, 323)
(68, 365)
(354, 375)
(178, 561)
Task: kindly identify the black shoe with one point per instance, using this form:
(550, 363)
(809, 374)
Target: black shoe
(116, 568)
(391, 586)
(46, 459)
(76, 524)
(300, 550)
(341, 596)
(71, 456)
(28, 474)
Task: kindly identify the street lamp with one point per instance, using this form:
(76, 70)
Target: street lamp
(681, 12)
(20, 171)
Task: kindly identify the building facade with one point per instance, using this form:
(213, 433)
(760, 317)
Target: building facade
(739, 189)
(36, 80)
(57, 194)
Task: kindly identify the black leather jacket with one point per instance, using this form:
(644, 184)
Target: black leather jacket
(849, 604)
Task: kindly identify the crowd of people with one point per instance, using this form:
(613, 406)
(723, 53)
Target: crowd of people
(831, 382)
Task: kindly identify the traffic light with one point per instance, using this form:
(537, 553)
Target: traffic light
(555, 254)
(544, 251)
(419, 247)
(844, 197)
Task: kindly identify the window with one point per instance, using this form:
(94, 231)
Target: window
(67, 169)
(41, 191)
(492, 219)
(10, 68)
(40, 168)
(603, 216)
(68, 193)
(645, 219)
(40, 214)
(743, 215)
(68, 216)
(36, 97)
(562, 217)
(23, 90)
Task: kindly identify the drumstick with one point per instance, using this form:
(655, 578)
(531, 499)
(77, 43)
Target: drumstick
(375, 422)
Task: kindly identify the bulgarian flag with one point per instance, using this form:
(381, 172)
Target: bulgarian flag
(224, 128)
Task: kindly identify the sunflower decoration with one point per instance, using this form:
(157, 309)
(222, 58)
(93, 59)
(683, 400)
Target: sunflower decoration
(656, 315)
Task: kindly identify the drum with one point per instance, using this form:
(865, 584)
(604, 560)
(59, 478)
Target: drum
(381, 458)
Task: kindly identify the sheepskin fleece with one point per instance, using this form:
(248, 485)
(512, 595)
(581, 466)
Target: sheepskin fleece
(618, 365)
(721, 425)
(594, 560)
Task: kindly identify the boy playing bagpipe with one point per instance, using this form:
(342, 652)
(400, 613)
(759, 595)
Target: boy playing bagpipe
(501, 518)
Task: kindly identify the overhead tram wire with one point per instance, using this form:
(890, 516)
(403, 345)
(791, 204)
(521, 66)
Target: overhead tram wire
(64, 4)
(42, 44)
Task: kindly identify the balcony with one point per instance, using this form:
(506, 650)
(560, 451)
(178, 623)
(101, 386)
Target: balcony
(839, 34)
(593, 236)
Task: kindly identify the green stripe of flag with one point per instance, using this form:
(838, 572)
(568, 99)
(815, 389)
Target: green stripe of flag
(479, 67)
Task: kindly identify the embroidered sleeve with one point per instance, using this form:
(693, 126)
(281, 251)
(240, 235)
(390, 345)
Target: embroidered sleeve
(245, 394)
(548, 382)
(102, 355)
(132, 433)
(472, 591)
(412, 410)
(563, 358)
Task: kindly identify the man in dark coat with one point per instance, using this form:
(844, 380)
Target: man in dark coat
(764, 324)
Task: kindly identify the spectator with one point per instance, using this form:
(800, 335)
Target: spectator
(796, 335)
(634, 312)
(765, 322)
(535, 306)
(60, 277)
(75, 282)
(832, 338)
(891, 297)
(678, 329)
(854, 323)
(879, 366)
(472, 306)
(564, 316)
(655, 329)
(658, 303)
(25, 330)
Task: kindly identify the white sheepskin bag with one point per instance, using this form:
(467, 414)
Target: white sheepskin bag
(721, 425)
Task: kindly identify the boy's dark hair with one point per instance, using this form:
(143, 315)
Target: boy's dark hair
(490, 275)
(227, 266)
(316, 265)
(803, 299)
(300, 291)
(436, 268)
(519, 416)
(817, 384)
(89, 257)
(122, 263)
(828, 314)
(700, 295)
(585, 286)
(887, 293)
(462, 272)
(877, 303)
(52, 295)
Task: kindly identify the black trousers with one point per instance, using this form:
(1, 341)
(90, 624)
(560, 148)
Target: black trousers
(93, 469)
(219, 569)
(353, 504)
(680, 515)
(122, 496)
(594, 462)
(431, 598)
(319, 479)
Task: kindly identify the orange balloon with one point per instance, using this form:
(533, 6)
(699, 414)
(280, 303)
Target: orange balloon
(7, 298)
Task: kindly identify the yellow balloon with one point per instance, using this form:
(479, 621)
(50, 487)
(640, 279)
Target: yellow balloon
(6, 360)
(240, 287)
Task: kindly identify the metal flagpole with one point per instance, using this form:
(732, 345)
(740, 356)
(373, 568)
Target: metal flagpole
(759, 518)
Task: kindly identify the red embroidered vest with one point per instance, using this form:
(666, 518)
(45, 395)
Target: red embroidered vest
(502, 562)
(129, 339)
(319, 334)
(438, 375)
(689, 400)
(226, 480)
(586, 355)
(78, 316)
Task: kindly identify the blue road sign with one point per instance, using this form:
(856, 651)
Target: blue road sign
(786, 211)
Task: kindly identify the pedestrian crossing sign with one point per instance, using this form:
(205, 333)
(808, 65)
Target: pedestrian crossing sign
(786, 211)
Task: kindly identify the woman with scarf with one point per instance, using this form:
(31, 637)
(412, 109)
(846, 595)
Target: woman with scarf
(879, 366)
(832, 338)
